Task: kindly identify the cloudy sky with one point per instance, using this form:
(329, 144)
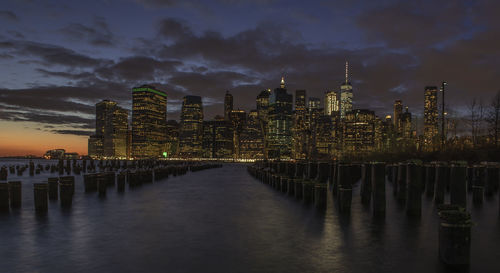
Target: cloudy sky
(58, 58)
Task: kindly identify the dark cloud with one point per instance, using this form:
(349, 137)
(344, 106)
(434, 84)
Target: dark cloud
(414, 23)
(137, 68)
(8, 15)
(51, 54)
(97, 34)
(73, 132)
(15, 34)
(174, 29)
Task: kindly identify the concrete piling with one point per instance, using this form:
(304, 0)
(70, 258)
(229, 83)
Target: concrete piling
(414, 189)
(41, 197)
(366, 183)
(492, 176)
(400, 186)
(378, 188)
(120, 181)
(101, 184)
(15, 194)
(430, 173)
(307, 191)
(440, 184)
(4, 197)
(298, 188)
(66, 186)
(320, 197)
(458, 185)
(53, 184)
(90, 182)
(477, 195)
(454, 235)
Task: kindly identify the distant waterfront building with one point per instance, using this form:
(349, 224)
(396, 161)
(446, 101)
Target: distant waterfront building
(346, 94)
(54, 154)
(110, 138)
(331, 103)
(149, 119)
(430, 116)
(191, 131)
(228, 105)
(279, 131)
(398, 111)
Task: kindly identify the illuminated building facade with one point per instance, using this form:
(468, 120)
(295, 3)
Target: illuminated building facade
(191, 131)
(172, 139)
(300, 132)
(314, 104)
(331, 103)
(346, 94)
(238, 120)
(430, 116)
(228, 105)
(110, 139)
(251, 138)
(279, 127)
(217, 138)
(359, 131)
(149, 119)
(398, 112)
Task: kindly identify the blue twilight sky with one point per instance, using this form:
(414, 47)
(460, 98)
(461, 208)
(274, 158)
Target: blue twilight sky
(58, 58)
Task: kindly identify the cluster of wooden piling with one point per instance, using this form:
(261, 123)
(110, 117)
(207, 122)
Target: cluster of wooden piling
(115, 173)
(310, 181)
(307, 181)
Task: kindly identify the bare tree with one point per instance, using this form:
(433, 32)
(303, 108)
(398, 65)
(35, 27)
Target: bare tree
(493, 118)
(476, 119)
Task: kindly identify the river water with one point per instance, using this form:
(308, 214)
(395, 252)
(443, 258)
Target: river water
(223, 220)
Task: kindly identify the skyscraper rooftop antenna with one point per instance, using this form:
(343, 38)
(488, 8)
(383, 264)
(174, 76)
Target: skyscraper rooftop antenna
(346, 72)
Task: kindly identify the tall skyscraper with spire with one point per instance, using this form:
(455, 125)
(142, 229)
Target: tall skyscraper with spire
(345, 94)
(228, 105)
(279, 127)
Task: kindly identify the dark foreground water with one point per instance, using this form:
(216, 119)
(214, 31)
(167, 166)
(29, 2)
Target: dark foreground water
(223, 220)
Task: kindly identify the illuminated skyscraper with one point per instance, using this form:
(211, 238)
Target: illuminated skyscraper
(300, 100)
(191, 132)
(149, 120)
(398, 111)
(359, 132)
(406, 128)
(430, 115)
(110, 139)
(217, 138)
(263, 104)
(279, 131)
(331, 102)
(251, 138)
(228, 105)
(314, 103)
(299, 130)
(346, 94)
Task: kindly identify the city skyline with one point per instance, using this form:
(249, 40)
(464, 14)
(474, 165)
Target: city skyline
(59, 59)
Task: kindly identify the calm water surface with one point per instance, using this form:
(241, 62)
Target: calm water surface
(223, 220)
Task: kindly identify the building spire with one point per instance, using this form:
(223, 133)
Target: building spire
(282, 84)
(346, 72)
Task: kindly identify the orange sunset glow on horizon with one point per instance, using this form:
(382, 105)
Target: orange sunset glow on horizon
(27, 138)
